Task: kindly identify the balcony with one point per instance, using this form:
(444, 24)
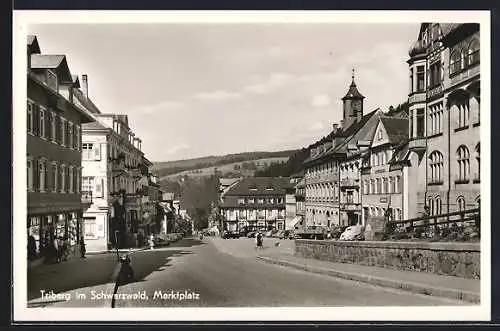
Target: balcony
(464, 75)
(118, 165)
(417, 97)
(435, 91)
(350, 206)
(417, 144)
(134, 172)
(349, 182)
(86, 197)
(132, 199)
(322, 178)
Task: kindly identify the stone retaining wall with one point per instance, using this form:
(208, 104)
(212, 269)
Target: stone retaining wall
(452, 259)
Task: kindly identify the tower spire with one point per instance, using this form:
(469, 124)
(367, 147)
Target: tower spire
(353, 83)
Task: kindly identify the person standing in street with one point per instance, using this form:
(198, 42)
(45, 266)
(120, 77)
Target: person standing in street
(151, 241)
(31, 247)
(82, 248)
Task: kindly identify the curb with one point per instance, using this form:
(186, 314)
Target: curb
(383, 282)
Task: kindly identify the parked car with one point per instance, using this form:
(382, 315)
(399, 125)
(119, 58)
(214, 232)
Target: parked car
(268, 234)
(231, 235)
(337, 231)
(278, 234)
(251, 234)
(353, 232)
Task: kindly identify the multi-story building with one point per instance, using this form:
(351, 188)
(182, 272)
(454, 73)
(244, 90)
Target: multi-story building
(256, 203)
(444, 119)
(384, 171)
(112, 159)
(290, 202)
(54, 149)
(300, 200)
(332, 172)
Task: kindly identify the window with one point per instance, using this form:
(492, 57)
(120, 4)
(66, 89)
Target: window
(71, 178)
(260, 200)
(54, 176)
(437, 206)
(77, 137)
(42, 123)
(280, 200)
(386, 185)
(241, 201)
(461, 203)
(463, 164)
(463, 113)
(473, 56)
(30, 116)
(380, 135)
(52, 120)
(435, 119)
(87, 151)
(436, 167)
(63, 131)
(420, 122)
(397, 184)
(52, 80)
(420, 79)
(271, 200)
(87, 184)
(41, 174)
(29, 175)
(411, 81)
(455, 64)
(378, 190)
(62, 179)
(463, 59)
(365, 187)
(70, 135)
(90, 227)
(435, 74)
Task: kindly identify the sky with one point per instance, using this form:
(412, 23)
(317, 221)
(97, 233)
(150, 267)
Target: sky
(193, 90)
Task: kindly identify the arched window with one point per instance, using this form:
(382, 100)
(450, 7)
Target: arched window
(473, 56)
(463, 163)
(430, 205)
(463, 58)
(437, 206)
(455, 62)
(436, 167)
(461, 203)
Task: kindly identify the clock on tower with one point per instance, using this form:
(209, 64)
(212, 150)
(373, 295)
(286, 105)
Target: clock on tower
(353, 105)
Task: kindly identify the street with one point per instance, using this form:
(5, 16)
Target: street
(225, 273)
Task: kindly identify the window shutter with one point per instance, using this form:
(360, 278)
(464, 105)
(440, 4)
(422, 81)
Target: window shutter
(48, 176)
(58, 128)
(98, 187)
(36, 186)
(97, 152)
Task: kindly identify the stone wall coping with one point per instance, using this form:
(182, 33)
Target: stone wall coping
(434, 246)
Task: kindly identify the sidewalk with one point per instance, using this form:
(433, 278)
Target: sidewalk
(418, 282)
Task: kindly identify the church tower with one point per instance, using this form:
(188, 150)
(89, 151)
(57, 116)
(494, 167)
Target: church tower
(353, 105)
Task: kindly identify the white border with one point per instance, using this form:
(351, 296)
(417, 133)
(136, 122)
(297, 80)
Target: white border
(462, 313)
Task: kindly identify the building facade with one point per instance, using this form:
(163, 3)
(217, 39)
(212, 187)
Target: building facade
(444, 121)
(256, 203)
(384, 171)
(54, 150)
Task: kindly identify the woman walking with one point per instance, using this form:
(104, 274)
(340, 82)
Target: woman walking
(82, 248)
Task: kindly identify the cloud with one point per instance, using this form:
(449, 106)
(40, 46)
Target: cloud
(275, 81)
(321, 100)
(219, 95)
(165, 105)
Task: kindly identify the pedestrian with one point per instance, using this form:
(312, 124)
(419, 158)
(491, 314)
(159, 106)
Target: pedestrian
(151, 241)
(259, 240)
(31, 247)
(82, 248)
(56, 249)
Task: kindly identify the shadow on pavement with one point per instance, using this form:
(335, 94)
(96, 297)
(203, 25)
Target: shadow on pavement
(70, 275)
(187, 242)
(147, 262)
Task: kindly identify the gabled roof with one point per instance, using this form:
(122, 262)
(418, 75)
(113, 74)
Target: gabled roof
(57, 62)
(86, 102)
(260, 186)
(360, 131)
(228, 181)
(33, 47)
(94, 126)
(400, 152)
(446, 28)
(396, 128)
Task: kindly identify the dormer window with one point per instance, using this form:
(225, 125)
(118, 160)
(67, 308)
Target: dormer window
(51, 80)
(253, 188)
(269, 188)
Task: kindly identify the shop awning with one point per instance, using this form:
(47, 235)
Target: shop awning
(291, 225)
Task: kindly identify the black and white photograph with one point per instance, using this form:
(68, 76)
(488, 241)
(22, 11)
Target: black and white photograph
(251, 166)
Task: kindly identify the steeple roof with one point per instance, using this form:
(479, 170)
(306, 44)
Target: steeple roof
(353, 92)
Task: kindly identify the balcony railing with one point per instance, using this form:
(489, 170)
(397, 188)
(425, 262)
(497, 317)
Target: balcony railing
(464, 75)
(349, 182)
(86, 197)
(434, 91)
(350, 206)
(417, 144)
(118, 165)
(417, 97)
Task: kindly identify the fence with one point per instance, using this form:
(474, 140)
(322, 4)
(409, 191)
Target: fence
(461, 225)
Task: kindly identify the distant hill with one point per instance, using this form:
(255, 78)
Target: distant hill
(208, 163)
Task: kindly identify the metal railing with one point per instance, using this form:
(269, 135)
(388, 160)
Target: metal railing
(435, 226)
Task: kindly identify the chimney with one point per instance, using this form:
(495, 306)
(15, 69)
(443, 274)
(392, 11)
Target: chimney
(335, 127)
(85, 86)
